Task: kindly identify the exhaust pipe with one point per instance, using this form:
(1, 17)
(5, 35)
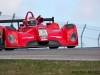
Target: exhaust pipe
(40, 20)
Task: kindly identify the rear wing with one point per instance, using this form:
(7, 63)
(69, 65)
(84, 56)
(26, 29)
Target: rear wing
(21, 20)
(49, 19)
(10, 21)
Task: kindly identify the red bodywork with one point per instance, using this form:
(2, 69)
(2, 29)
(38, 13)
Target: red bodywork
(30, 37)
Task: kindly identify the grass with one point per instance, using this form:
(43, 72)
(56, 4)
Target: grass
(43, 67)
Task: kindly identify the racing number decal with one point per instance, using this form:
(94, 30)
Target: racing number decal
(43, 32)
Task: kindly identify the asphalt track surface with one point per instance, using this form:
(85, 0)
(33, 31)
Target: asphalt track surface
(84, 54)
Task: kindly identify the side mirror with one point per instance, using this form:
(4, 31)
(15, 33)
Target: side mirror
(21, 24)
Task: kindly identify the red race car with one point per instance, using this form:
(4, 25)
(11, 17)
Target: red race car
(32, 33)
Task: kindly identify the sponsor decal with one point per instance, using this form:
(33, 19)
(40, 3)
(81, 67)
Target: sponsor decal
(43, 32)
(44, 38)
(56, 30)
(56, 36)
(27, 37)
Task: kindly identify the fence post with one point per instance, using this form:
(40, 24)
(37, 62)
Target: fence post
(82, 35)
(13, 16)
(67, 22)
(13, 19)
(0, 13)
(98, 39)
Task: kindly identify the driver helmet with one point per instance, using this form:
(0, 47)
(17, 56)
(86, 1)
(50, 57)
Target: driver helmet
(32, 21)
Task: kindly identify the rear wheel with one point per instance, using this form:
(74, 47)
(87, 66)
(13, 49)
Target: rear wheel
(53, 47)
(1, 43)
(70, 46)
(1, 47)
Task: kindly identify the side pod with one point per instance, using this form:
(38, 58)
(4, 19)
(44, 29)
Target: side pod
(71, 35)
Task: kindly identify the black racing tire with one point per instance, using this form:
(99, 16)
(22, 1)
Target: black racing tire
(1, 44)
(53, 47)
(70, 46)
(9, 49)
(1, 48)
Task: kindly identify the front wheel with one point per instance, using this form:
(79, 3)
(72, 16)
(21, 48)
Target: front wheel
(53, 47)
(9, 49)
(70, 46)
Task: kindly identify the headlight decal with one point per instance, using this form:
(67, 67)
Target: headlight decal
(11, 38)
(73, 37)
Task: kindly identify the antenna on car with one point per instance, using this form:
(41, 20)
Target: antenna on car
(38, 17)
